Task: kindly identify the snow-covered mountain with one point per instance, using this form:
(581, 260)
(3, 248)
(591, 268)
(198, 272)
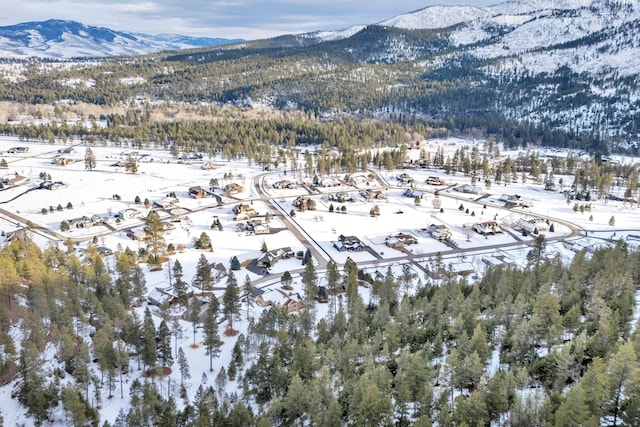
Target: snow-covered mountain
(67, 39)
(592, 36)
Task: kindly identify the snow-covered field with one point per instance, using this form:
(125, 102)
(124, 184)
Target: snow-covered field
(159, 174)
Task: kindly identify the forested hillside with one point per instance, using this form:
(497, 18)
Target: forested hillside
(551, 344)
(549, 74)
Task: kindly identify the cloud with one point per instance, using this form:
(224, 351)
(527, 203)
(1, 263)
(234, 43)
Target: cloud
(143, 7)
(248, 19)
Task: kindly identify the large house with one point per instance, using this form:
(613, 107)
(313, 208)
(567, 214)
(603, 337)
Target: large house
(487, 227)
(129, 213)
(233, 188)
(67, 150)
(439, 231)
(62, 161)
(197, 192)
(284, 184)
(14, 179)
(18, 150)
(400, 240)
(413, 193)
(434, 180)
(348, 243)
(270, 258)
(243, 212)
(85, 221)
(292, 301)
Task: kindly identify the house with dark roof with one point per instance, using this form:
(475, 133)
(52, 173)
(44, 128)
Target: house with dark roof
(348, 243)
(270, 258)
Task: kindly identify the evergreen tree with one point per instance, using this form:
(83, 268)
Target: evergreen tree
(231, 299)
(204, 241)
(149, 347)
(212, 341)
(235, 263)
(183, 365)
(89, 159)
(247, 288)
(194, 316)
(73, 405)
(163, 340)
(203, 279)
(153, 231)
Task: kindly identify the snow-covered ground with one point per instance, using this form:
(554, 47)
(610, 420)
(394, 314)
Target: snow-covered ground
(159, 175)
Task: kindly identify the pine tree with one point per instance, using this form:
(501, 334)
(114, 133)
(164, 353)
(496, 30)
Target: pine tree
(194, 316)
(203, 278)
(153, 231)
(183, 365)
(73, 405)
(237, 359)
(286, 280)
(89, 159)
(230, 299)
(248, 291)
(149, 347)
(164, 345)
(212, 341)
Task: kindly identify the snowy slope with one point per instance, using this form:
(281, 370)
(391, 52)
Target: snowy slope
(66, 39)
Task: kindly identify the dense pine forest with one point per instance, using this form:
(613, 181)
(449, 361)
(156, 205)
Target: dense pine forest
(550, 344)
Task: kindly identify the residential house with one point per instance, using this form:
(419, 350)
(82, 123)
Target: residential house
(15, 179)
(487, 227)
(279, 298)
(62, 161)
(439, 232)
(85, 221)
(256, 226)
(405, 178)
(197, 192)
(166, 202)
(18, 150)
(67, 150)
(284, 185)
(129, 213)
(138, 235)
(244, 208)
(348, 243)
(243, 212)
(468, 189)
(160, 297)
(233, 188)
(534, 226)
(341, 197)
(434, 180)
(218, 271)
(270, 258)
(413, 193)
(329, 182)
(400, 240)
(356, 180)
(373, 195)
(209, 166)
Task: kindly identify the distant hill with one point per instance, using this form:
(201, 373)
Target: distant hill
(68, 39)
(548, 66)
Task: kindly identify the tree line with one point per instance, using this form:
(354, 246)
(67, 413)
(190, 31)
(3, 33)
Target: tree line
(548, 344)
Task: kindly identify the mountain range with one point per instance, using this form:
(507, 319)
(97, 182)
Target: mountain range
(572, 65)
(62, 39)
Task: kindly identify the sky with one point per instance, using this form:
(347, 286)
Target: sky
(244, 19)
